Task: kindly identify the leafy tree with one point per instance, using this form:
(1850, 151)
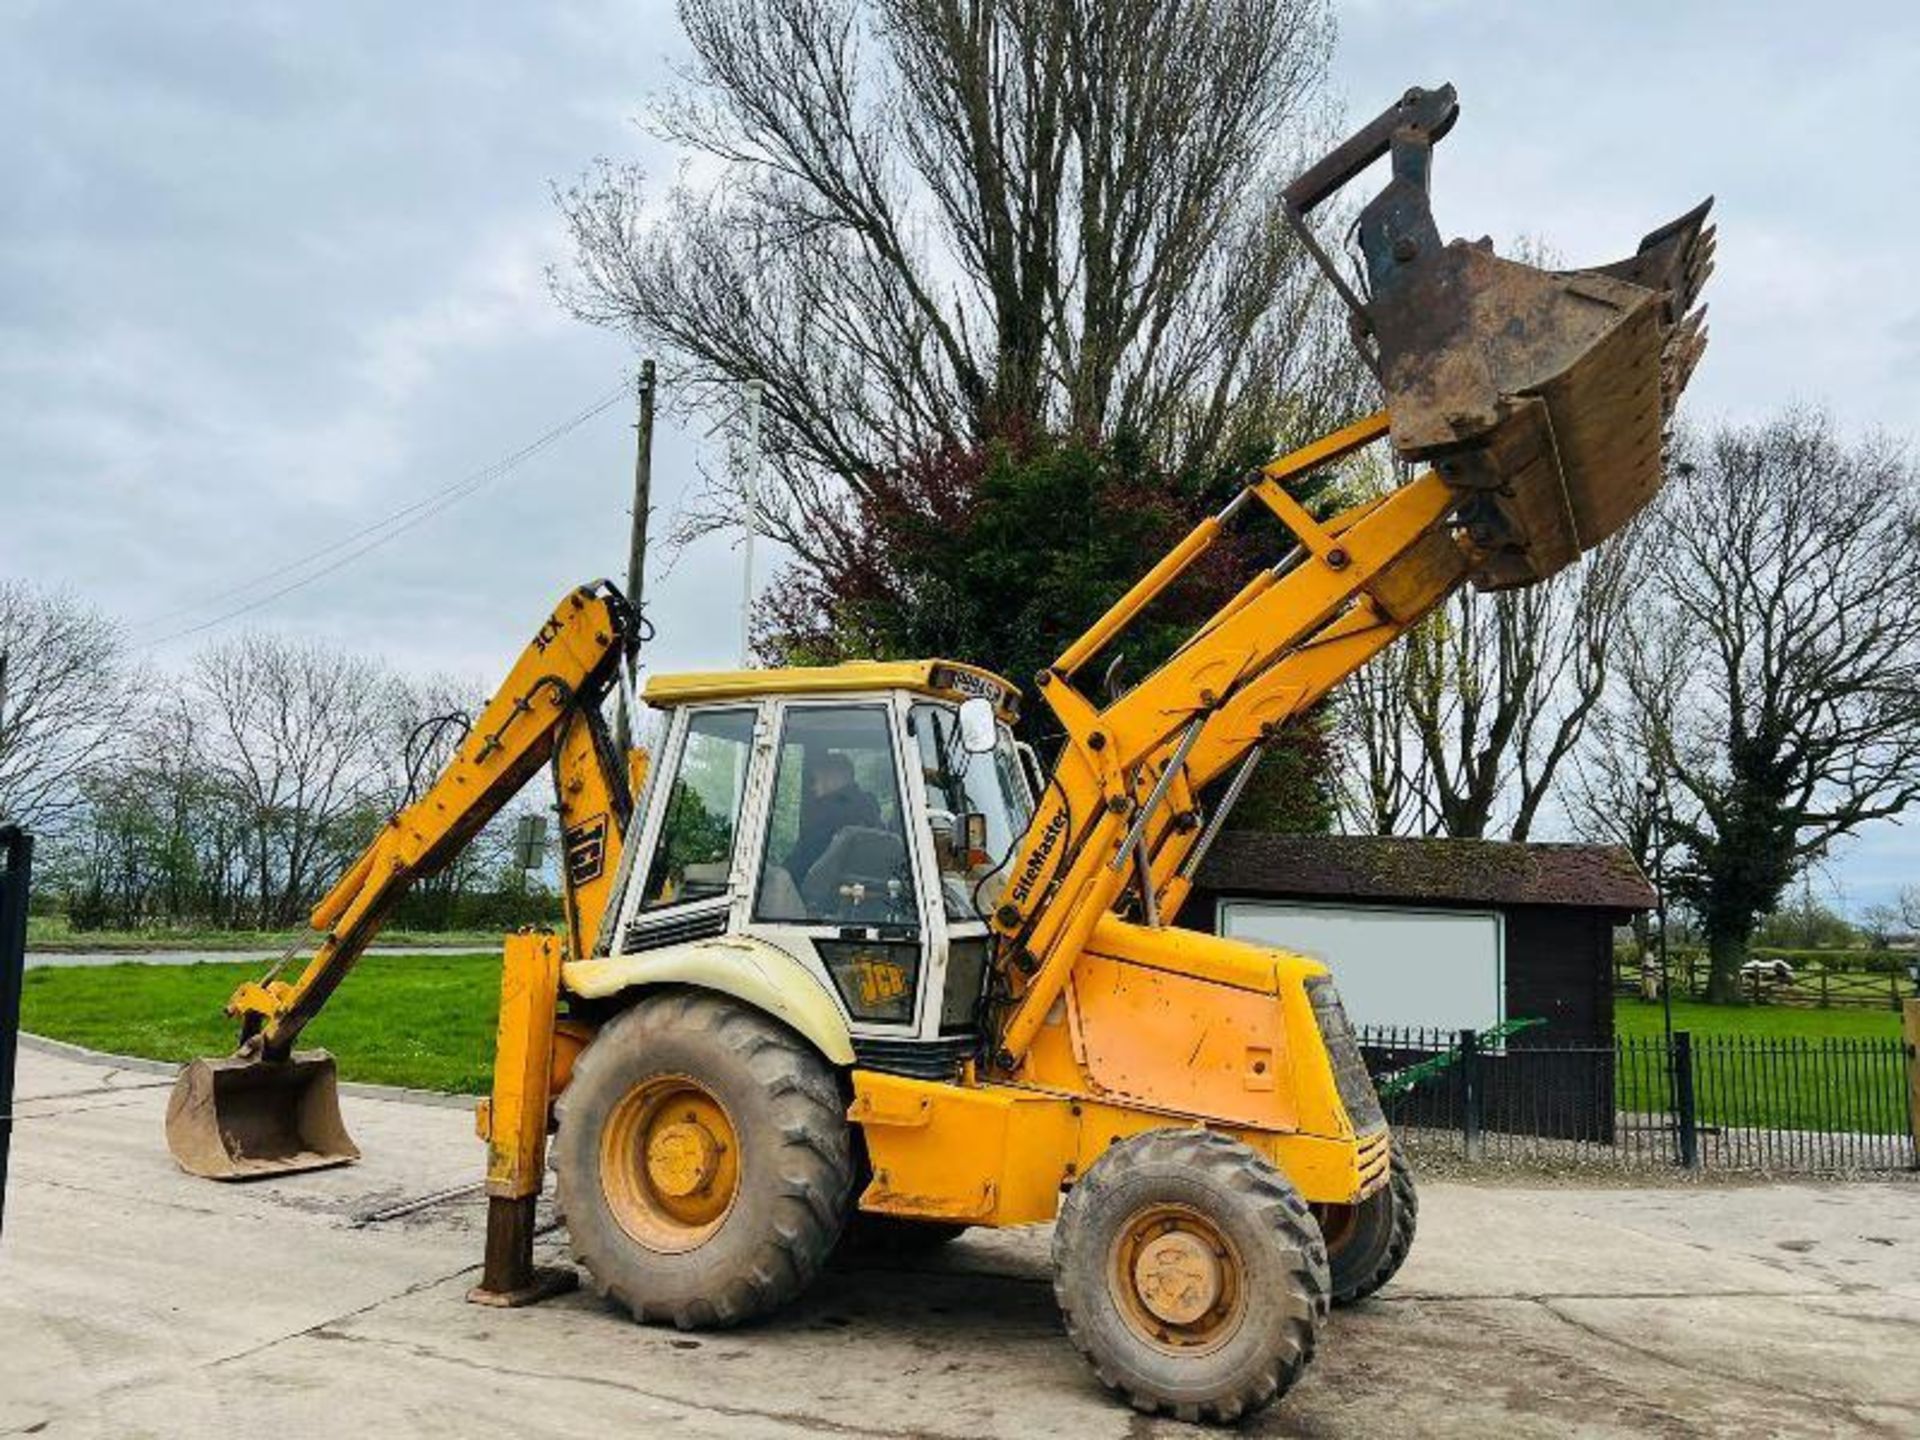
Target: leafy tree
(1004, 554)
(1790, 571)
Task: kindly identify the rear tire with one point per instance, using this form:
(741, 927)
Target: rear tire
(1191, 1275)
(1368, 1243)
(703, 1161)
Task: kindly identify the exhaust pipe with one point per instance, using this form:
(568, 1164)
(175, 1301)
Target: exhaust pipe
(242, 1118)
(1542, 396)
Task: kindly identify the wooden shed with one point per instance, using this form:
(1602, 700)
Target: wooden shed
(1447, 934)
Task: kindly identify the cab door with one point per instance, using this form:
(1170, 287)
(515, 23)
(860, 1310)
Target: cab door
(834, 884)
(696, 819)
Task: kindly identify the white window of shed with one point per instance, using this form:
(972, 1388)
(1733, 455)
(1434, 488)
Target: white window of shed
(1444, 969)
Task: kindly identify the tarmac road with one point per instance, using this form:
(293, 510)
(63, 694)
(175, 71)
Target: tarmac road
(57, 959)
(136, 1301)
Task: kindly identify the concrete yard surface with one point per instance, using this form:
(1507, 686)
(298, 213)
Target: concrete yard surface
(137, 1301)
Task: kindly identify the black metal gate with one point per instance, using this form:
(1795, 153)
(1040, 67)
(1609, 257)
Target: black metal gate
(16, 866)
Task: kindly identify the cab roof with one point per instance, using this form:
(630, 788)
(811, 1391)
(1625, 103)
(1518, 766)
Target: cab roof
(947, 679)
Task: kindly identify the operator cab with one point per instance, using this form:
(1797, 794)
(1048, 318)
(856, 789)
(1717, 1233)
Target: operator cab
(859, 817)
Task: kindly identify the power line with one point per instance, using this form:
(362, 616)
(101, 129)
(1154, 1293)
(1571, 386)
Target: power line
(380, 531)
(457, 490)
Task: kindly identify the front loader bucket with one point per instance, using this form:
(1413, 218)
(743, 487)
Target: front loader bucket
(1543, 396)
(244, 1119)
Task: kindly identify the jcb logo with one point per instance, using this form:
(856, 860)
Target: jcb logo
(587, 850)
(879, 980)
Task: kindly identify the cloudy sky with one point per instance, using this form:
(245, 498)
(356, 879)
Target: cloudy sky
(271, 272)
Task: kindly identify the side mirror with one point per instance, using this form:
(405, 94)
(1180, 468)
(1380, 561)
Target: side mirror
(978, 732)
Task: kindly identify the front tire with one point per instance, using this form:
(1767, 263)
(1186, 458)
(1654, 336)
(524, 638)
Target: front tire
(1368, 1243)
(703, 1160)
(1190, 1274)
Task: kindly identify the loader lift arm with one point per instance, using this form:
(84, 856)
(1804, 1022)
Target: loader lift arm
(546, 712)
(1539, 400)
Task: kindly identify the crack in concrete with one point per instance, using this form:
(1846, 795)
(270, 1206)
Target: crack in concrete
(1401, 1297)
(107, 1089)
(797, 1418)
(40, 1181)
(1824, 1402)
(22, 1116)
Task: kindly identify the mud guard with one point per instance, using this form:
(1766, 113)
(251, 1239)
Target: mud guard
(752, 971)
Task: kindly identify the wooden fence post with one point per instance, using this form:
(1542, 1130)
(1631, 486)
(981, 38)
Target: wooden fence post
(1910, 1029)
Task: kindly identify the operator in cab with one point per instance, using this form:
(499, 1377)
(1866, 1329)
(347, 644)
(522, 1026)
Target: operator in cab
(834, 802)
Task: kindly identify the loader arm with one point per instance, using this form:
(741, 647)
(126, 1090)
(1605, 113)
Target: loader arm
(546, 712)
(1532, 407)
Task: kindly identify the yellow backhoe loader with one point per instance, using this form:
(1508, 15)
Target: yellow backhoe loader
(851, 957)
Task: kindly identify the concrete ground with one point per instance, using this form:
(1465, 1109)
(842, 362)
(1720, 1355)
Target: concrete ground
(135, 1301)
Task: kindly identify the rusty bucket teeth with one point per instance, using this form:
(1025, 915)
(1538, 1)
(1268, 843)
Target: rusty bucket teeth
(1543, 396)
(245, 1119)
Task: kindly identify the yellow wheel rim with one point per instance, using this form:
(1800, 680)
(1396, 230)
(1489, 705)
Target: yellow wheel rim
(1177, 1280)
(669, 1163)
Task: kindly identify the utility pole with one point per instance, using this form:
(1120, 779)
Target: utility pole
(751, 479)
(637, 544)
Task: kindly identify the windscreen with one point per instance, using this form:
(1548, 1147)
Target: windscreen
(974, 852)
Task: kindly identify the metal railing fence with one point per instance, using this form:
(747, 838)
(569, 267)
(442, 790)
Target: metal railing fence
(1720, 1102)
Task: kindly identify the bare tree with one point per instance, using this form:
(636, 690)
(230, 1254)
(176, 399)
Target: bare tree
(1792, 562)
(1465, 730)
(302, 736)
(1620, 792)
(65, 696)
(1381, 787)
(1909, 908)
(433, 716)
(937, 224)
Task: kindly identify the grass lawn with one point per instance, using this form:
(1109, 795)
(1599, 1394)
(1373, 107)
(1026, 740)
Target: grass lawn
(1771, 1066)
(420, 1020)
(1642, 1017)
(52, 935)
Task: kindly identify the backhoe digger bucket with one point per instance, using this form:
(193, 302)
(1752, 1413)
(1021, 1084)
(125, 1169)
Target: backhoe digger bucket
(245, 1119)
(1542, 395)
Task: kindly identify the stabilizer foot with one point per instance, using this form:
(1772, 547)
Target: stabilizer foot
(509, 1278)
(545, 1282)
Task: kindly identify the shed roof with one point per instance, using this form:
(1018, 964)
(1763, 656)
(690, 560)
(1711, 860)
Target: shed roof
(1487, 872)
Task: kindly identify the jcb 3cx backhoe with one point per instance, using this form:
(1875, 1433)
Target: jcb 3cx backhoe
(849, 958)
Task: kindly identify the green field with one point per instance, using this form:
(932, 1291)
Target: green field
(420, 1020)
(1642, 1017)
(1771, 1067)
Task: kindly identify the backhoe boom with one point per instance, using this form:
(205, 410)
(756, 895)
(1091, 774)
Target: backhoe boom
(231, 1117)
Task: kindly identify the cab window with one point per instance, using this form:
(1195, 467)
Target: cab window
(836, 846)
(695, 855)
(977, 806)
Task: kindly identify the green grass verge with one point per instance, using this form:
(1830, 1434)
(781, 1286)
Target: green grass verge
(52, 934)
(421, 1020)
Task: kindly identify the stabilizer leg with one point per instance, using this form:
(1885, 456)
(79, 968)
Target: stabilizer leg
(513, 1122)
